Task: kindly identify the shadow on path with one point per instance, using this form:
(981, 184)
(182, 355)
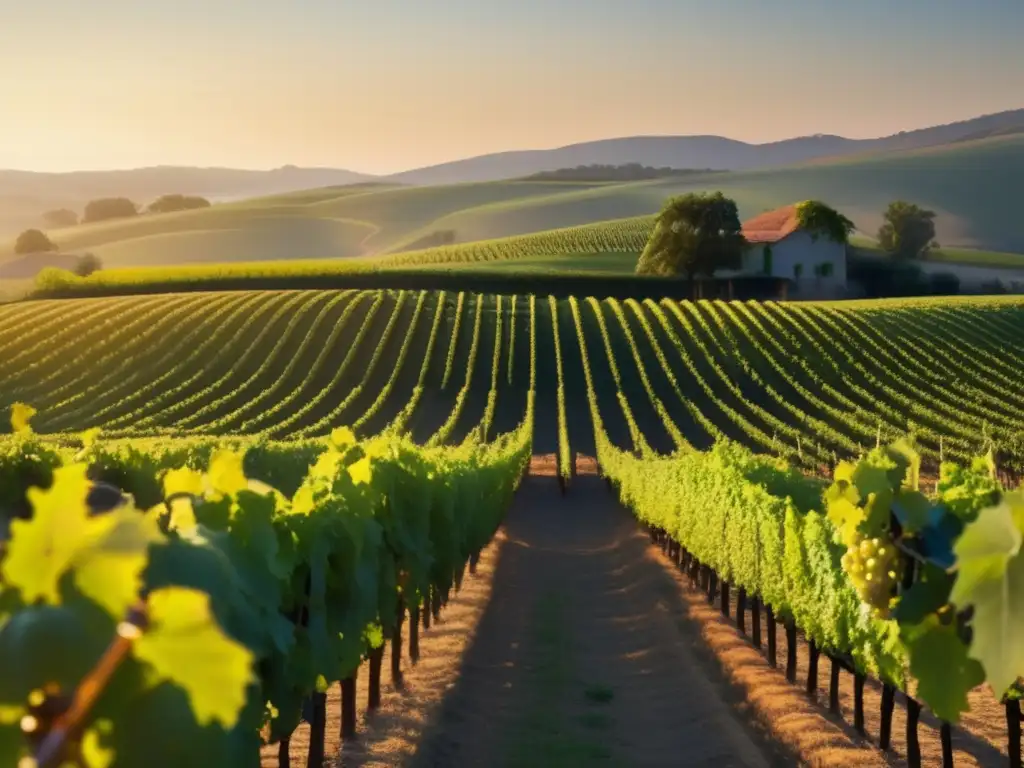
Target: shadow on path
(585, 654)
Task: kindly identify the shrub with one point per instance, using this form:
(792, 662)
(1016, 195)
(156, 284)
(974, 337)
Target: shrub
(60, 217)
(109, 208)
(171, 203)
(87, 264)
(33, 241)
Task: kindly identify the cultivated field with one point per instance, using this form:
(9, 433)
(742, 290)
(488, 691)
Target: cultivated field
(397, 426)
(813, 382)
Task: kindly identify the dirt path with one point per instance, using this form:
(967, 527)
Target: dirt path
(585, 655)
(578, 642)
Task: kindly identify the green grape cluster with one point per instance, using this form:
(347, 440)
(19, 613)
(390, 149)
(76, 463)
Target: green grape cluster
(873, 567)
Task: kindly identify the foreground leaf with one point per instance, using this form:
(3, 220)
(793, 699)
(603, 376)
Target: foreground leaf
(990, 577)
(940, 663)
(185, 645)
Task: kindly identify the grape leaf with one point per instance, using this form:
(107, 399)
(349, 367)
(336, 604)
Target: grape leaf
(89, 437)
(183, 480)
(185, 646)
(926, 596)
(47, 644)
(225, 474)
(326, 465)
(990, 577)
(21, 415)
(41, 549)
(908, 463)
(108, 572)
(342, 436)
(912, 510)
(984, 551)
(872, 477)
(183, 515)
(360, 471)
(939, 661)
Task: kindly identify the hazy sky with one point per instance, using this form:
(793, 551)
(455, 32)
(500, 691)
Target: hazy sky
(385, 85)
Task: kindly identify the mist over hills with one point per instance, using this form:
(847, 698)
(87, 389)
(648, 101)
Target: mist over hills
(25, 195)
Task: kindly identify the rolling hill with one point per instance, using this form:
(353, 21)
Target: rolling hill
(703, 151)
(972, 185)
(26, 195)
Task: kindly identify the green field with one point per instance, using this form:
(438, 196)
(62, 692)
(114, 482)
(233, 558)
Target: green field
(970, 185)
(809, 381)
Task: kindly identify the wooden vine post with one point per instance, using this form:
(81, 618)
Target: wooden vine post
(348, 707)
(373, 688)
(913, 743)
(396, 645)
(317, 731)
(1013, 721)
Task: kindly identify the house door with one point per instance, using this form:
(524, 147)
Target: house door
(767, 267)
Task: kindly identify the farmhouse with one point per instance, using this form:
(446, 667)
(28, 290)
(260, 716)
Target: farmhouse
(781, 247)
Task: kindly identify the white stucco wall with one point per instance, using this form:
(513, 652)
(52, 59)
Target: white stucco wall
(800, 248)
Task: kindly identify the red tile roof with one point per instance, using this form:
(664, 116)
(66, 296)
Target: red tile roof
(772, 226)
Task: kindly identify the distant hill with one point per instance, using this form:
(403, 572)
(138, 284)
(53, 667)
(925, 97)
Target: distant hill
(26, 195)
(626, 172)
(972, 185)
(701, 151)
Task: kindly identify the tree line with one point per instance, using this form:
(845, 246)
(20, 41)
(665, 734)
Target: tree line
(101, 209)
(106, 208)
(624, 172)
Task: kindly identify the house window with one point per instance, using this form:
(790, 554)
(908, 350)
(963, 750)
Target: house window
(798, 271)
(767, 254)
(825, 270)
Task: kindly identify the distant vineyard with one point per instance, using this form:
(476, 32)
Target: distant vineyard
(617, 236)
(812, 382)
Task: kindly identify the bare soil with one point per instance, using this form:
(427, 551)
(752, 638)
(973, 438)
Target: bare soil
(586, 655)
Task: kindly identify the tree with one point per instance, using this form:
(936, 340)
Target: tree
(87, 264)
(908, 231)
(109, 208)
(944, 284)
(60, 217)
(33, 241)
(820, 219)
(171, 203)
(694, 234)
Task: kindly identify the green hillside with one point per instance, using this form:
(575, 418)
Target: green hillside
(971, 185)
(314, 224)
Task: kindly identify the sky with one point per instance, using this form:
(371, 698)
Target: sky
(380, 86)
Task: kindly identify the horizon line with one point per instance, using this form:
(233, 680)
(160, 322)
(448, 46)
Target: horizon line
(385, 176)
